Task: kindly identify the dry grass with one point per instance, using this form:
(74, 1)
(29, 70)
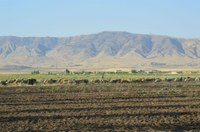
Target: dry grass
(14, 72)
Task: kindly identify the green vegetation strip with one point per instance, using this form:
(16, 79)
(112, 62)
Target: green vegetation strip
(92, 76)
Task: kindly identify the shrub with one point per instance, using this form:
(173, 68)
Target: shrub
(133, 71)
(35, 72)
(67, 71)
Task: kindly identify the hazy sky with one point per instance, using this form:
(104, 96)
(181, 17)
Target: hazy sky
(178, 18)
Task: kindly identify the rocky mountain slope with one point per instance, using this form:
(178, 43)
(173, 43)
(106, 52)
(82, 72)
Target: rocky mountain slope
(100, 51)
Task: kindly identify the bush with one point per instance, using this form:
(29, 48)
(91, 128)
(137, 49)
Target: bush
(67, 71)
(35, 72)
(133, 71)
(50, 73)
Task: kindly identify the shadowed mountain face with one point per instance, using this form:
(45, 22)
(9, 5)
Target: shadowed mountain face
(102, 50)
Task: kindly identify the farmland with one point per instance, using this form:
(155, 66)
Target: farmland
(26, 75)
(150, 106)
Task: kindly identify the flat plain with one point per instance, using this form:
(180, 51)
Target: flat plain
(161, 106)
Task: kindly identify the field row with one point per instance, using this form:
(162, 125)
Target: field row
(117, 107)
(33, 81)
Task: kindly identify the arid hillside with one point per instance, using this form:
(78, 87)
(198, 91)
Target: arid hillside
(105, 50)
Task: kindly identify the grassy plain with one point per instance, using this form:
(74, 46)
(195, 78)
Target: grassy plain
(91, 76)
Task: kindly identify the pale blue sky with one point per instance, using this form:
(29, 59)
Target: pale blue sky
(178, 18)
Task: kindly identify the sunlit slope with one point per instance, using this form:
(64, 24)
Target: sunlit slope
(102, 50)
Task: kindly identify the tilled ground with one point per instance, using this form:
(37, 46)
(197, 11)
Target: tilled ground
(101, 107)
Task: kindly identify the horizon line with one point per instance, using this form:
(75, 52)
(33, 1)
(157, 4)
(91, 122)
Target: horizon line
(86, 34)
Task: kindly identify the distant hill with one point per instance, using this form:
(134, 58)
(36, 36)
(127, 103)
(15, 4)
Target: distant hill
(103, 50)
(13, 67)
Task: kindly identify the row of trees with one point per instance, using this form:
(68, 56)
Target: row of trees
(67, 71)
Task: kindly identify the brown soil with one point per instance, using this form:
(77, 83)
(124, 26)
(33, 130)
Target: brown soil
(101, 107)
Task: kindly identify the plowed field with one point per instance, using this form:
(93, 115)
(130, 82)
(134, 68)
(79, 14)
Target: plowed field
(101, 107)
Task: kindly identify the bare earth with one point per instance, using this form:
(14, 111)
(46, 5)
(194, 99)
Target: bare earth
(101, 107)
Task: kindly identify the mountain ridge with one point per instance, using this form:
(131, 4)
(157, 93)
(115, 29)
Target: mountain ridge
(107, 49)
